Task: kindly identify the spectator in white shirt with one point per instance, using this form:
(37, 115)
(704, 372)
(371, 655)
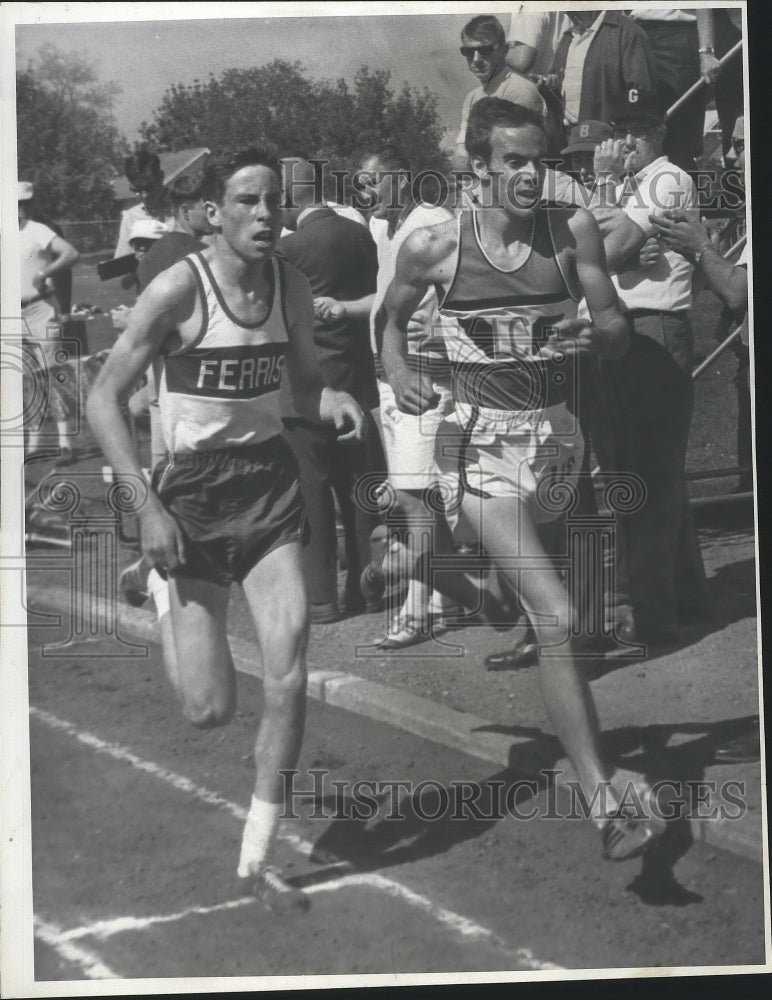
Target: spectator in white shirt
(43, 255)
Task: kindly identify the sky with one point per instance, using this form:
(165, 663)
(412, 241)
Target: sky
(145, 57)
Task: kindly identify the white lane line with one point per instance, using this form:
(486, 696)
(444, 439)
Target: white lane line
(462, 925)
(92, 966)
(104, 929)
(449, 918)
(178, 781)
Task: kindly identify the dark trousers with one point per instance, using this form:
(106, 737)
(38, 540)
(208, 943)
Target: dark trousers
(641, 426)
(675, 47)
(328, 470)
(729, 86)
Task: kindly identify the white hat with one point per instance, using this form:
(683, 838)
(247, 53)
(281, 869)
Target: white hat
(26, 191)
(147, 229)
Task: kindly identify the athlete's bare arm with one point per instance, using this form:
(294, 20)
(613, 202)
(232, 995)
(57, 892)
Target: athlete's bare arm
(313, 399)
(426, 258)
(611, 337)
(168, 303)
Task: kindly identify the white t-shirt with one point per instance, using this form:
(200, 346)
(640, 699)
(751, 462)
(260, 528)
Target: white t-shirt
(667, 285)
(425, 317)
(34, 241)
(541, 32)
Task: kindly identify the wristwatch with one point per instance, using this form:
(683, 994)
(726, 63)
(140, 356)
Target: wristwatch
(708, 50)
(701, 251)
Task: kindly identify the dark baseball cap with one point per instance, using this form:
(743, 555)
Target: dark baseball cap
(641, 109)
(584, 137)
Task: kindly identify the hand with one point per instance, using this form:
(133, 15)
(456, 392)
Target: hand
(610, 158)
(648, 255)
(328, 309)
(414, 393)
(680, 231)
(39, 282)
(574, 338)
(162, 540)
(348, 417)
(120, 317)
(709, 67)
(551, 81)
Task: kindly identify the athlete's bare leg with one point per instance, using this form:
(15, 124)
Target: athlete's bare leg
(459, 587)
(207, 679)
(205, 676)
(277, 599)
(510, 537)
(207, 685)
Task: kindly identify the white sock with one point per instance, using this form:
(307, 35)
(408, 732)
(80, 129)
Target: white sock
(159, 591)
(65, 435)
(259, 832)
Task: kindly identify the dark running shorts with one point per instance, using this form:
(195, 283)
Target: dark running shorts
(234, 507)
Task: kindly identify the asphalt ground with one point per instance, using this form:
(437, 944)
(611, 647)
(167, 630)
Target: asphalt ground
(136, 822)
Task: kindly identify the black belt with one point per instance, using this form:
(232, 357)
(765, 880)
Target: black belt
(635, 313)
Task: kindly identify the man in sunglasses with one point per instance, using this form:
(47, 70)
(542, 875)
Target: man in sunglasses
(642, 423)
(484, 46)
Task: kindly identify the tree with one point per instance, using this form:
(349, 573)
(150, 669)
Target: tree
(277, 107)
(68, 143)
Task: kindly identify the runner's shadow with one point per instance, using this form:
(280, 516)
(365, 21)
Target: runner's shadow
(429, 822)
(680, 769)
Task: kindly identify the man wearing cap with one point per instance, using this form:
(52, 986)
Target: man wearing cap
(641, 425)
(582, 140)
(43, 255)
(146, 179)
(484, 46)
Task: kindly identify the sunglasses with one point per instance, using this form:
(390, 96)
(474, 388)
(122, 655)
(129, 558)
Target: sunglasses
(637, 132)
(484, 51)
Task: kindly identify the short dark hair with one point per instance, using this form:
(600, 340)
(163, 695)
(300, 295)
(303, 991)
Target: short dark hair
(490, 113)
(185, 189)
(485, 26)
(142, 162)
(223, 167)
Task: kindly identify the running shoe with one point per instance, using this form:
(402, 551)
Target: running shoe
(133, 582)
(627, 836)
(275, 893)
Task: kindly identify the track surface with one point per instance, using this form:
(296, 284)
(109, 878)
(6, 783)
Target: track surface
(137, 820)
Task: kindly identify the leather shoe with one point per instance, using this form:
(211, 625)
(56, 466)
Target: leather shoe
(631, 631)
(741, 750)
(524, 654)
(66, 457)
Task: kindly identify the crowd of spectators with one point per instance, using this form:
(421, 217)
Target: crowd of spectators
(605, 84)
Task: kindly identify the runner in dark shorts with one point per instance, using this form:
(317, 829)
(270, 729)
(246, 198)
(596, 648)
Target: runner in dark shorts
(227, 507)
(234, 507)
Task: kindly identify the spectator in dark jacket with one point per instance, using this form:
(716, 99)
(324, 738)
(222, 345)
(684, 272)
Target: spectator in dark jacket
(338, 257)
(602, 61)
